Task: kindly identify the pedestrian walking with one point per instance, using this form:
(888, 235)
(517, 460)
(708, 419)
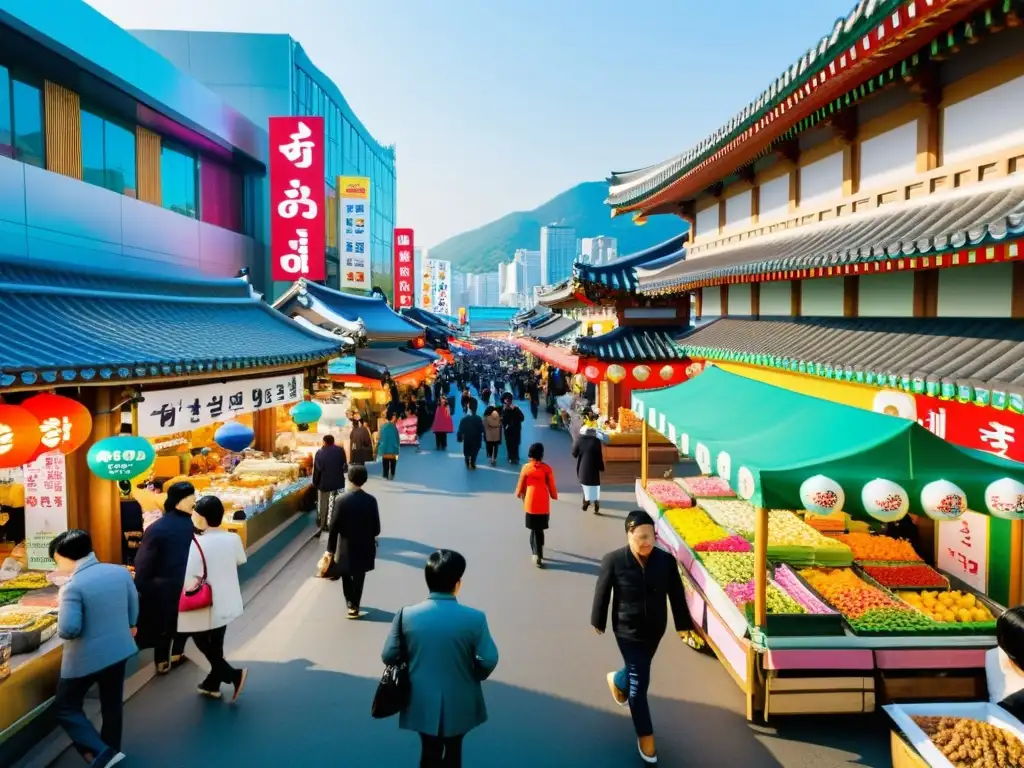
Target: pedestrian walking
(635, 581)
(512, 425)
(471, 434)
(589, 455)
(352, 545)
(443, 425)
(160, 576)
(360, 443)
(466, 397)
(389, 445)
(485, 396)
(329, 467)
(533, 390)
(536, 487)
(449, 651)
(99, 608)
(492, 433)
(213, 559)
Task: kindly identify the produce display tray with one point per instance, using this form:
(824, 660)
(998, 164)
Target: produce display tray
(860, 569)
(981, 711)
(31, 616)
(820, 624)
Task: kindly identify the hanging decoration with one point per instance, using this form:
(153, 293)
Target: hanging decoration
(666, 372)
(723, 465)
(579, 382)
(123, 457)
(943, 500)
(306, 412)
(19, 436)
(822, 495)
(234, 436)
(745, 486)
(593, 373)
(615, 373)
(1003, 498)
(641, 373)
(885, 500)
(64, 424)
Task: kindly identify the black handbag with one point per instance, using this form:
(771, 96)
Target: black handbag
(394, 689)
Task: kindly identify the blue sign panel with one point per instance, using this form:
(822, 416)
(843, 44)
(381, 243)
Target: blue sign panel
(342, 366)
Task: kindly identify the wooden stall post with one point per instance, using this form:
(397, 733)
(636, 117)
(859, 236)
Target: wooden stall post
(265, 427)
(104, 507)
(1016, 562)
(761, 567)
(645, 460)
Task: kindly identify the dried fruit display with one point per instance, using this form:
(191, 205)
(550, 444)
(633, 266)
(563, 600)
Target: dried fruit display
(949, 607)
(872, 548)
(897, 576)
(707, 487)
(970, 743)
(777, 600)
(629, 421)
(668, 494)
(729, 567)
(788, 581)
(27, 580)
(694, 526)
(865, 608)
(731, 543)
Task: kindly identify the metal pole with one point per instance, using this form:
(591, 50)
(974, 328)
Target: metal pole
(645, 461)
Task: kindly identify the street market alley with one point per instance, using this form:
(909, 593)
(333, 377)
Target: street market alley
(313, 673)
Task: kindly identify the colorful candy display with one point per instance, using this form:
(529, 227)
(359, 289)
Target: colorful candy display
(949, 607)
(896, 576)
(706, 487)
(788, 581)
(776, 600)
(865, 608)
(694, 526)
(729, 567)
(668, 494)
(731, 543)
(871, 548)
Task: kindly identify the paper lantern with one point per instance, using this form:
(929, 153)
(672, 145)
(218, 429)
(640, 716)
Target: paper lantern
(641, 373)
(745, 485)
(703, 458)
(592, 372)
(1003, 498)
(885, 500)
(615, 373)
(64, 424)
(234, 436)
(579, 382)
(120, 458)
(821, 495)
(666, 372)
(723, 464)
(943, 500)
(19, 436)
(306, 412)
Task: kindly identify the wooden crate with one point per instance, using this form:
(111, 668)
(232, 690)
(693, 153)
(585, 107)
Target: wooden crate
(819, 695)
(932, 687)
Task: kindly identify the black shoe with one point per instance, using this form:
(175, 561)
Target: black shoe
(597, 507)
(586, 505)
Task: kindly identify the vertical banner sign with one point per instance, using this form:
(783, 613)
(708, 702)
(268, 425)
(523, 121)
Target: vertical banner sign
(46, 507)
(354, 237)
(424, 282)
(962, 549)
(404, 268)
(297, 204)
(440, 284)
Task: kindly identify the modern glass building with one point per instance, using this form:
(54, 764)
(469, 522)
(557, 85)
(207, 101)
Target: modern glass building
(267, 75)
(557, 253)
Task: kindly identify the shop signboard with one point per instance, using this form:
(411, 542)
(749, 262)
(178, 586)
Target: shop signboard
(167, 411)
(46, 507)
(297, 206)
(973, 426)
(342, 366)
(963, 549)
(440, 286)
(354, 234)
(424, 285)
(404, 268)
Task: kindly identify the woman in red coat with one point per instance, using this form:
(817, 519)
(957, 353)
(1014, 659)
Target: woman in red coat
(536, 488)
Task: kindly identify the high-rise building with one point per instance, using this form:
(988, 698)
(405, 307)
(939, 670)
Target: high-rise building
(268, 75)
(598, 250)
(557, 253)
(530, 261)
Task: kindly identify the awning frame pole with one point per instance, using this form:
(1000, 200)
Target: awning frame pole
(645, 461)
(760, 567)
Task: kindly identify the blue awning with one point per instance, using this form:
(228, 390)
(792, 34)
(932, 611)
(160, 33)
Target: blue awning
(63, 324)
(337, 311)
(620, 274)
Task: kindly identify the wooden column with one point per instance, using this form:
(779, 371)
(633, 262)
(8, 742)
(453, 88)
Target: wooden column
(760, 567)
(928, 87)
(926, 293)
(755, 300)
(698, 297)
(104, 504)
(795, 296)
(851, 295)
(794, 189)
(147, 160)
(724, 289)
(851, 169)
(265, 428)
(645, 459)
(755, 205)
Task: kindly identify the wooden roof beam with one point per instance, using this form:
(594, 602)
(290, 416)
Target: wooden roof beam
(716, 189)
(843, 125)
(746, 173)
(788, 150)
(925, 83)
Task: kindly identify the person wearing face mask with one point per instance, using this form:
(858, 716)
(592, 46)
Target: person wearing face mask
(215, 555)
(635, 581)
(160, 575)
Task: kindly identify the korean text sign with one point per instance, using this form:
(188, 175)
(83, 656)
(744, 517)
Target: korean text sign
(46, 507)
(405, 280)
(440, 275)
(167, 411)
(297, 205)
(963, 549)
(354, 237)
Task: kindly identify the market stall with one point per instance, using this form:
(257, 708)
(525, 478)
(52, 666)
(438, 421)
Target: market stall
(806, 621)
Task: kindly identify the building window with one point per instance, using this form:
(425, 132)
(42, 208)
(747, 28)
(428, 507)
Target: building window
(27, 101)
(178, 172)
(108, 154)
(6, 140)
(223, 196)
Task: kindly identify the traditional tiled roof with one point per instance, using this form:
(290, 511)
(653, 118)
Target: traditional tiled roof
(972, 216)
(555, 328)
(620, 274)
(558, 294)
(634, 343)
(976, 360)
(398, 362)
(63, 324)
(345, 312)
(426, 318)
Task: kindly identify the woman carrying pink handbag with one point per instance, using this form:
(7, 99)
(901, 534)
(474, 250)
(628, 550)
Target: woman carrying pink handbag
(212, 597)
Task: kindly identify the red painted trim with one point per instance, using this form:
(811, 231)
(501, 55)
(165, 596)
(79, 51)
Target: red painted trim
(549, 354)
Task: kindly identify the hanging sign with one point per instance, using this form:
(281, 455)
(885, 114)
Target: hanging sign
(46, 507)
(167, 411)
(963, 549)
(440, 288)
(297, 234)
(404, 268)
(354, 237)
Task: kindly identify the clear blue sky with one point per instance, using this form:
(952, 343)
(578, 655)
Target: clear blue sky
(498, 106)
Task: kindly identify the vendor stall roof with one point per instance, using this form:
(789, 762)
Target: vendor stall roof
(940, 355)
(372, 362)
(634, 344)
(975, 215)
(620, 273)
(428, 319)
(93, 325)
(784, 450)
(553, 355)
(335, 310)
(556, 329)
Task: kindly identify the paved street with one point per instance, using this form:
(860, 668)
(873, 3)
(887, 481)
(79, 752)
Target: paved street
(313, 673)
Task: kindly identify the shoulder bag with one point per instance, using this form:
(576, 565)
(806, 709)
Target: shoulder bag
(394, 688)
(201, 595)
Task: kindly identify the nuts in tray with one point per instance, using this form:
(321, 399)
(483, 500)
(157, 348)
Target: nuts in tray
(972, 744)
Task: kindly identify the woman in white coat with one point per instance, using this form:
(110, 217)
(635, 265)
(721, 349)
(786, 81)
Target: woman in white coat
(217, 553)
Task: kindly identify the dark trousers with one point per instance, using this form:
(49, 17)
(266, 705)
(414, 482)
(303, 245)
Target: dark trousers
(352, 586)
(512, 449)
(635, 678)
(70, 699)
(534, 408)
(441, 752)
(211, 645)
(168, 646)
(492, 449)
(471, 456)
(537, 543)
(389, 466)
(441, 441)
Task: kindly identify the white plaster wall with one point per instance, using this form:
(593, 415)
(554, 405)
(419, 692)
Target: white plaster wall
(737, 211)
(984, 123)
(982, 290)
(711, 303)
(822, 297)
(889, 156)
(707, 222)
(739, 300)
(821, 181)
(773, 202)
(776, 299)
(886, 295)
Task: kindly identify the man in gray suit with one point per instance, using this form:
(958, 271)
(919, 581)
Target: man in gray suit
(98, 610)
(450, 652)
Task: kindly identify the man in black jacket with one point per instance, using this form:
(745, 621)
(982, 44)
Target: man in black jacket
(329, 467)
(636, 580)
(512, 425)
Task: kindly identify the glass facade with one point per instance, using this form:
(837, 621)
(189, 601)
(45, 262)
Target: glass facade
(27, 103)
(179, 187)
(108, 154)
(350, 152)
(6, 137)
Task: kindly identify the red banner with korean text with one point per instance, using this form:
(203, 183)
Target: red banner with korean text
(297, 205)
(973, 426)
(404, 278)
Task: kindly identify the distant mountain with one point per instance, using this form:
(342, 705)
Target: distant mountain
(582, 207)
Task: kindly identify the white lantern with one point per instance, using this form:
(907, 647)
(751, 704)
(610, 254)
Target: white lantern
(703, 457)
(943, 500)
(822, 495)
(1005, 498)
(684, 444)
(724, 465)
(745, 485)
(885, 500)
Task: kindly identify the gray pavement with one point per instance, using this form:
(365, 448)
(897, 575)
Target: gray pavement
(313, 673)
